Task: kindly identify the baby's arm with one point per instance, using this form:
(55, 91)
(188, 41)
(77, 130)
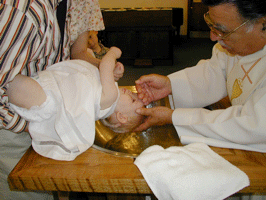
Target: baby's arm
(25, 92)
(106, 68)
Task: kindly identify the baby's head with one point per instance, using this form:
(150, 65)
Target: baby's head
(125, 119)
(93, 42)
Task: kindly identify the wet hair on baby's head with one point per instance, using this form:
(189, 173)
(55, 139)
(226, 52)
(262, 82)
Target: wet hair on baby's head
(133, 122)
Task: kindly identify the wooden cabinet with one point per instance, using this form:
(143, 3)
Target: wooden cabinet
(197, 26)
(145, 37)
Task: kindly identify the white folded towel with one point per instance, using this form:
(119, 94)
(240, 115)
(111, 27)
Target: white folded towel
(190, 172)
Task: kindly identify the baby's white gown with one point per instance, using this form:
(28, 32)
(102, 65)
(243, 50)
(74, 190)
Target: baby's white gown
(64, 126)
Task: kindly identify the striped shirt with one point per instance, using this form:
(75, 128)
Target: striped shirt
(29, 42)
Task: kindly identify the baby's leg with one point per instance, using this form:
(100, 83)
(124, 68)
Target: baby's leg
(25, 92)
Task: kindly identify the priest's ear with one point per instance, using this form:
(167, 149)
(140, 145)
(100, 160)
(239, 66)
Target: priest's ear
(122, 118)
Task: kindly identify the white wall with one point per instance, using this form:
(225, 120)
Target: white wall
(149, 3)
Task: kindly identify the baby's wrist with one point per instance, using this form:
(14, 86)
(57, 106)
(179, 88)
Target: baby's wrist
(116, 51)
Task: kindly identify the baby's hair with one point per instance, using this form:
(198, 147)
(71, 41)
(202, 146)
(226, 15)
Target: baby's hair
(124, 128)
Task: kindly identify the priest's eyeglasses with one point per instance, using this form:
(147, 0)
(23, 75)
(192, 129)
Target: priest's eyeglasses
(221, 34)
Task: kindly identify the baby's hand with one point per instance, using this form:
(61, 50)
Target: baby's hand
(117, 52)
(118, 71)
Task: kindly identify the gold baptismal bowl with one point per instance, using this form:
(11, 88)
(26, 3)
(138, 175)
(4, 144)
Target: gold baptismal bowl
(132, 144)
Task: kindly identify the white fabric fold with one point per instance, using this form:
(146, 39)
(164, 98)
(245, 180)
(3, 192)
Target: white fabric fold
(190, 172)
(217, 143)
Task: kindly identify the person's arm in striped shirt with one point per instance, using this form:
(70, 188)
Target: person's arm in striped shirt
(29, 43)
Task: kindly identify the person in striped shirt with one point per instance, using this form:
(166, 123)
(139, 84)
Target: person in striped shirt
(30, 42)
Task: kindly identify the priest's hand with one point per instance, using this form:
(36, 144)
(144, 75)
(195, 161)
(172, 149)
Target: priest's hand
(153, 87)
(156, 116)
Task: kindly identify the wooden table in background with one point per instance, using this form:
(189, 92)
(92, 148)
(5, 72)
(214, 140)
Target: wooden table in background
(99, 172)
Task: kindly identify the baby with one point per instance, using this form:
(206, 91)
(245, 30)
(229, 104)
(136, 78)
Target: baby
(63, 102)
(96, 48)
